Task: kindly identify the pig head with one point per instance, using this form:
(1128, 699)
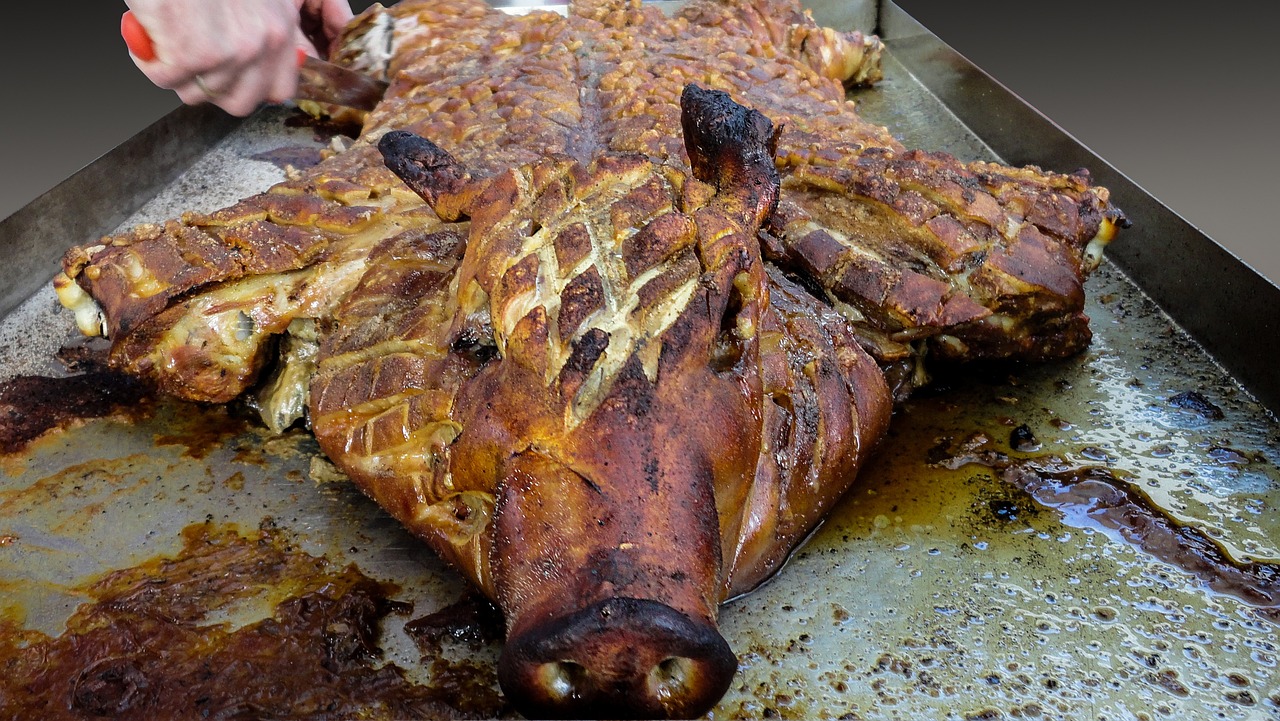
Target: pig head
(592, 396)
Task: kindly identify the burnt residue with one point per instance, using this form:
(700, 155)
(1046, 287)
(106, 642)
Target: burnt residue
(1004, 505)
(952, 453)
(147, 643)
(473, 621)
(1234, 457)
(31, 406)
(202, 430)
(1095, 497)
(1021, 439)
(1004, 510)
(85, 355)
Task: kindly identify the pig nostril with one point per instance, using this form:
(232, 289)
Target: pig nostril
(670, 678)
(617, 658)
(562, 679)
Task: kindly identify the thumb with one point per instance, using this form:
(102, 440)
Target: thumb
(336, 14)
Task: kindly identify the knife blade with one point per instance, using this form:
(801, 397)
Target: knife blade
(318, 80)
(325, 82)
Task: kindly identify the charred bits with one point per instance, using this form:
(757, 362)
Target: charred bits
(146, 644)
(31, 406)
(1022, 440)
(473, 621)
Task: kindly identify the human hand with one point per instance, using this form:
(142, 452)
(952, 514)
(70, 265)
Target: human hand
(233, 53)
(323, 21)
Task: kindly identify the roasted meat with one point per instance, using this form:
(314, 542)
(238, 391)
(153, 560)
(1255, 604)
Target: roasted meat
(607, 308)
(606, 372)
(922, 253)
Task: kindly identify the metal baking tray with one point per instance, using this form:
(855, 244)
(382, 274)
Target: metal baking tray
(930, 592)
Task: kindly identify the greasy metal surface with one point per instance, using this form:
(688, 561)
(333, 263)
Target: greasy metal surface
(845, 14)
(923, 596)
(1228, 307)
(932, 593)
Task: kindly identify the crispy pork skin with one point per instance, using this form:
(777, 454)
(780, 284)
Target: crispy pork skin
(628, 387)
(608, 309)
(926, 256)
(923, 254)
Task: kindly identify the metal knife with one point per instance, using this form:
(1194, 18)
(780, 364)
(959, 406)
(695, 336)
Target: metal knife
(319, 81)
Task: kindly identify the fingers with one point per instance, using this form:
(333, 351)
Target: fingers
(336, 15)
(232, 53)
(240, 90)
(324, 21)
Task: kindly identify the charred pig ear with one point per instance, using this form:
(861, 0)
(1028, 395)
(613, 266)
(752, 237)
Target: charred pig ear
(731, 147)
(428, 170)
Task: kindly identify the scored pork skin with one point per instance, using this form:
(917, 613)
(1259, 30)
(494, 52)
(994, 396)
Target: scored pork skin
(193, 305)
(608, 379)
(921, 252)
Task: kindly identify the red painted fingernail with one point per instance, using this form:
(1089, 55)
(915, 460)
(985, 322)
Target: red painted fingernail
(136, 37)
(302, 56)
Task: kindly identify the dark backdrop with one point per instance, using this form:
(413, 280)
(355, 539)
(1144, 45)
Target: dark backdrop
(1180, 97)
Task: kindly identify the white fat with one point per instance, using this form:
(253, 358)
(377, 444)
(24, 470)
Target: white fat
(378, 44)
(1093, 251)
(370, 52)
(89, 316)
(340, 144)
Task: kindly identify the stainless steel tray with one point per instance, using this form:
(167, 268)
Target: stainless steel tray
(929, 593)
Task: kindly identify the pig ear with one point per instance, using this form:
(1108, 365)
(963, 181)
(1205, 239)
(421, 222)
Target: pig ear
(731, 147)
(428, 170)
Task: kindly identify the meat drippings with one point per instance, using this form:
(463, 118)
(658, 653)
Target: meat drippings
(1094, 497)
(152, 642)
(31, 406)
(475, 624)
(297, 157)
(473, 621)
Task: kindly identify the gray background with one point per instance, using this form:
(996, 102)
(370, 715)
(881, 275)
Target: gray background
(1181, 98)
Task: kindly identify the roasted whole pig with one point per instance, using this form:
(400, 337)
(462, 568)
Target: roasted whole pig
(608, 309)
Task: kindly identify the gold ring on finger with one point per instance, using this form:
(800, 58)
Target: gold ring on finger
(204, 88)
